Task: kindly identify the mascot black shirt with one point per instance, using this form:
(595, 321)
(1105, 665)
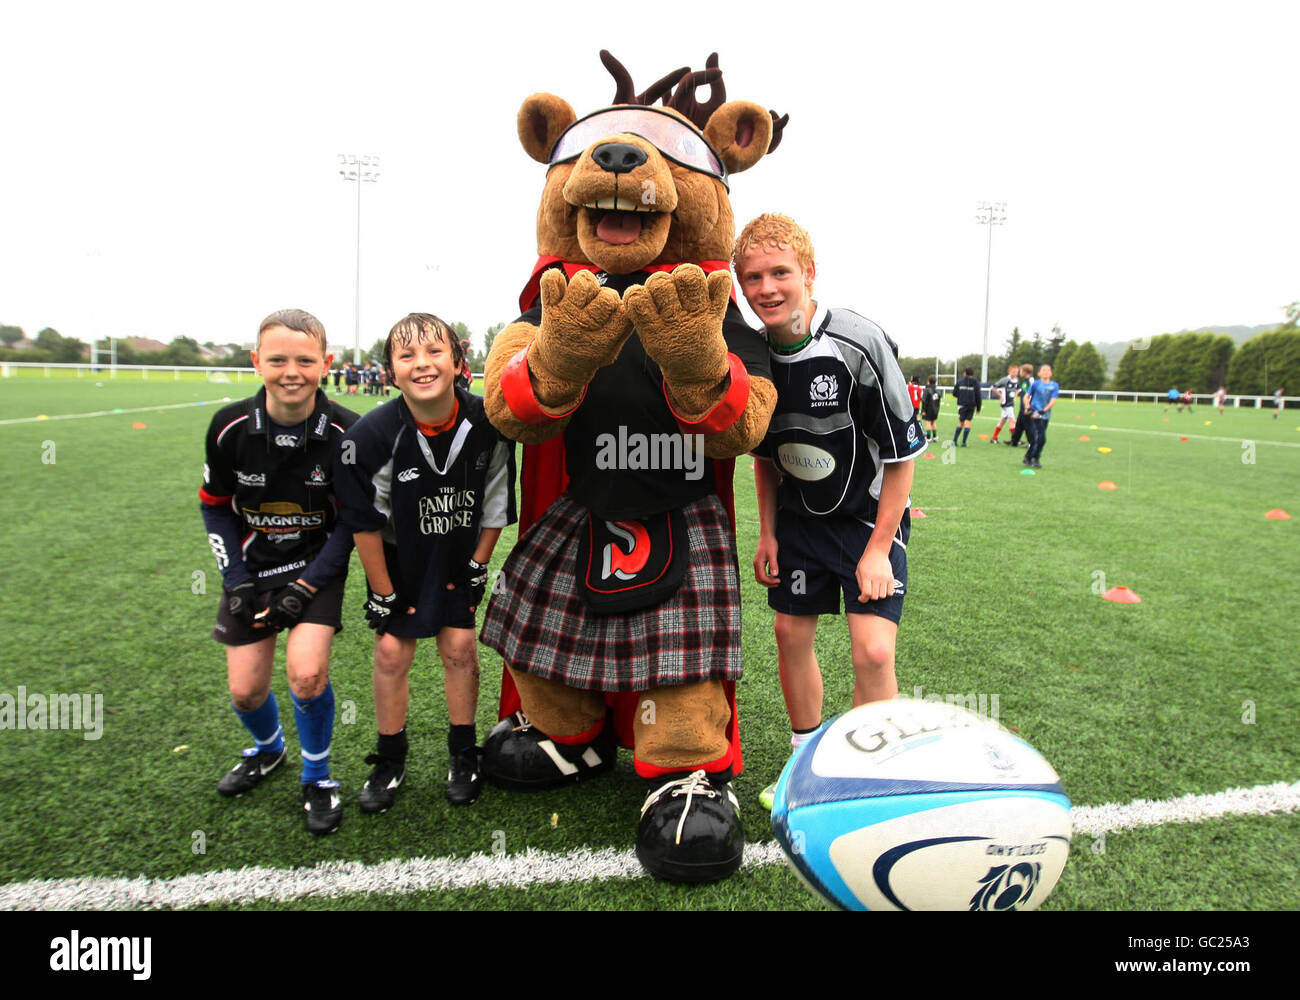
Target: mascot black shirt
(625, 453)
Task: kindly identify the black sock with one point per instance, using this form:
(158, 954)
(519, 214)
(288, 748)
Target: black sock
(461, 738)
(964, 435)
(393, 747)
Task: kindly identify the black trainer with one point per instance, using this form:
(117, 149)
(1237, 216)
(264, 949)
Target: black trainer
(690, 830)
(253, 766)
(381, 787)
(464, 780)
(323, 805)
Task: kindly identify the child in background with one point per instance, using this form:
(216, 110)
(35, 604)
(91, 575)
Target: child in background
(426, 485)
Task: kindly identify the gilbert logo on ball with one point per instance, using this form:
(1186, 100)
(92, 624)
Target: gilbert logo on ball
(909, 805)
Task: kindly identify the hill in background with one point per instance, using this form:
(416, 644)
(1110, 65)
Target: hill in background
(1112, 351)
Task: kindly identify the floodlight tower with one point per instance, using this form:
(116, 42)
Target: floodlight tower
(359, 168)
(988, 213)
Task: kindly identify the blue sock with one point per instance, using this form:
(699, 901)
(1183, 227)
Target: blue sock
(315, 719)
(264, 724)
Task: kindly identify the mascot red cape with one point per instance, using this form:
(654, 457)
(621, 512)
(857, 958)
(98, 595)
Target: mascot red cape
(634, 382)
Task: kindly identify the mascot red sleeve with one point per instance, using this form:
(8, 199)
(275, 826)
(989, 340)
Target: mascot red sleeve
(634, 382)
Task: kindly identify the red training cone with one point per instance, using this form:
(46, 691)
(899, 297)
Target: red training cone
(1121, 595)
(917, 513)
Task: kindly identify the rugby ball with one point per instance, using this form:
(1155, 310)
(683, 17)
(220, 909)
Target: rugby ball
(922, 805)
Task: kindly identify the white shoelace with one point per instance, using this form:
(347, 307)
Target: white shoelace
(693, 784)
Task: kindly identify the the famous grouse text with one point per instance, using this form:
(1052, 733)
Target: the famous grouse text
(446, 511)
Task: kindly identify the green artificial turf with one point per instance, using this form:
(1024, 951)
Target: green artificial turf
(108, 588)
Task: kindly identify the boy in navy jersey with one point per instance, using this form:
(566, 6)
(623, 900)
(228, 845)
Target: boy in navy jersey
(426, 485)
(268, 505)
(833, 474)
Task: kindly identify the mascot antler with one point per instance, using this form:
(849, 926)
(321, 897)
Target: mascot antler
(677, 89)
(625, 92)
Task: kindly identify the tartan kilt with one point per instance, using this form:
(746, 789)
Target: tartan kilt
(538, 623)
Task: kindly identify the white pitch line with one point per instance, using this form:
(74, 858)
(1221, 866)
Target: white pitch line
(111, 413)
(333, 879)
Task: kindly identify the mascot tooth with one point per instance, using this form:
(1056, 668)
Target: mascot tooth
(618, 612)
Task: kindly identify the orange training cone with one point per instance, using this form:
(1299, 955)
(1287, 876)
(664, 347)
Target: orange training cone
(1084, 437)
(1106, 484)
(917, 513)
(1121, 595)
(1182, 439)
(1278, 514)
(137, 426)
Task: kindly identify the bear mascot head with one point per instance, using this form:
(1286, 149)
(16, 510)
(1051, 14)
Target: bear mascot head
(634, 382)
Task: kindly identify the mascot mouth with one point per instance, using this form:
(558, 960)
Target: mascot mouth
(618, 221)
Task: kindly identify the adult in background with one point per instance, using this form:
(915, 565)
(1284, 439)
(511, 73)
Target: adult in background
(1042, 397)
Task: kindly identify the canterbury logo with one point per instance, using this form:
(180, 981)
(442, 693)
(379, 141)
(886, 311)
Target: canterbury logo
(286, 440)
(406, 475)
(626, 565)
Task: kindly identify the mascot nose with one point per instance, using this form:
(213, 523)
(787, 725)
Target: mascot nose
(618, 157)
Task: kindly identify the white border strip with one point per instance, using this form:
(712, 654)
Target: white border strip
(333, 879)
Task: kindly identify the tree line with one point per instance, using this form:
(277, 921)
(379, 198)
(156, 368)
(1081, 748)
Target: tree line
(1074, 365)
(1191, 362)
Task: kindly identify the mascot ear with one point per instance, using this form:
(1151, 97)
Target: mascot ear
(542, 119)
(740, 131)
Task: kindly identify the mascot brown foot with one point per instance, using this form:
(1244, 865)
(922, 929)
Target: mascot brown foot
(519, 755)
(690, 830)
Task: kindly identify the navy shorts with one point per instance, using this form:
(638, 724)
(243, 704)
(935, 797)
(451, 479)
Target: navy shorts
(818, 557)
(326, 608)
(436, 607)
(965, 413)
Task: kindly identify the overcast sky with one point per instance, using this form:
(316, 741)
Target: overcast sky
(171, 169)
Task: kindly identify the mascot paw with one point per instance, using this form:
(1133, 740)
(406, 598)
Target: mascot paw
(690, 831)
(519, 756)
(678, 317)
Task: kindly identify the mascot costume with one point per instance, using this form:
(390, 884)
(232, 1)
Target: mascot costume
(634, 383)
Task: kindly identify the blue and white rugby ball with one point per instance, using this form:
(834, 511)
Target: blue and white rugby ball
(914, 805)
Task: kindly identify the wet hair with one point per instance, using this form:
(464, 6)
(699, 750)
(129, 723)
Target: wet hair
(299, 320)
(416, 328)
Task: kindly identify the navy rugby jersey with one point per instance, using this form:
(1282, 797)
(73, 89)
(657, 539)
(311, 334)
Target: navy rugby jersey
(268, 494)
(842, 413)
(428, 497)
(624, 451)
